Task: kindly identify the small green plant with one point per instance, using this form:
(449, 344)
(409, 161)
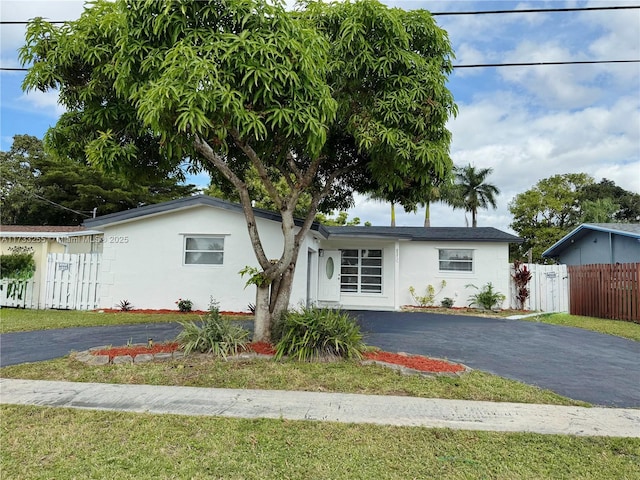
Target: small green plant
(430, 294)
(316, 334)
(217, 335)
(125, 306)
(17, 266)
(487, 298)
(184, 305)
(447, 302)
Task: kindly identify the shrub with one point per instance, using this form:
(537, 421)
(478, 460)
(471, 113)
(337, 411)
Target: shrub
(184, 305)
(521, 277)
(217, 335)
(315, 334)
(428, 298)
(486, 298)
(447, 302)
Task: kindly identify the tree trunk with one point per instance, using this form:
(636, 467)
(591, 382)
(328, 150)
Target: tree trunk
(262, 320)
(474, 220)
(393, 214)
(427, 216)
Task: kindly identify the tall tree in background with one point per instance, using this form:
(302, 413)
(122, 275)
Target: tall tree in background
(548, 211)
(337, 98)
(558, 204)
(472, 192)
(605, 201)
(39, 188)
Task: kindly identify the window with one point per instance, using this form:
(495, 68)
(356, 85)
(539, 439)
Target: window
(203, 250)
(456, 260)
(361, 271)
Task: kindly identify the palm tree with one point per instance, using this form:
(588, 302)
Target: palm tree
(472, 192)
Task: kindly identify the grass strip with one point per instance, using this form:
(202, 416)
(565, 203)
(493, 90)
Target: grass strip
(44, 443)
(618, 328)
(344, 376)
(22, 320)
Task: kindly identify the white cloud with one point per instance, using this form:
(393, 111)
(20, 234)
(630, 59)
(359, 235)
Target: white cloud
(43, 102)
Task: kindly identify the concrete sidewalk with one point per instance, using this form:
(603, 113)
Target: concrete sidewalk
(335, 407)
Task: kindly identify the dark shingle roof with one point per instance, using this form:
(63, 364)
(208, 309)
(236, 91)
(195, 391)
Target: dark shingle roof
(421, 234)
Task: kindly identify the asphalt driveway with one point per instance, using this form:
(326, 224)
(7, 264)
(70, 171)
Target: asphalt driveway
(596, 368)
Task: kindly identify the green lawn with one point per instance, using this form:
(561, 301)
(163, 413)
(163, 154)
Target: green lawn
(45, 443)
(344, 376)
(19, 320)
(618, 328)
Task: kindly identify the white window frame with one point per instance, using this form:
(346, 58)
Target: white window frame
(359, 266)
(460, 261)
(185, 250)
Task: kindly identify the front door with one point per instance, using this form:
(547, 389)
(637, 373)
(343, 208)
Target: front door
(329, 276)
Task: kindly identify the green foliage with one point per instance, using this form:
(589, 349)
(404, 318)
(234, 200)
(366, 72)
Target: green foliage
(32, 178)
(18, 266)
(313, 334)
(548, 211)
(184, 305)
(471, 191)
(487, 298)
(606, 202)
(256, 277)
(447, 302)
(216, 335)
(429, 297)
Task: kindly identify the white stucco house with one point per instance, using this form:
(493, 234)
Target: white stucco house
(194, 248)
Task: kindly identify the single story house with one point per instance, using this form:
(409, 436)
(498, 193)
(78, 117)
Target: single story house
(43, 240)
(193, 248)
(597, 243)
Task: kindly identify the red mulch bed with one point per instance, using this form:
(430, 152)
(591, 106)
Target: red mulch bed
(134, 350)
(416, 362)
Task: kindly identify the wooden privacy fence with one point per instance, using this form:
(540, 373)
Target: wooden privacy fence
(605, 291)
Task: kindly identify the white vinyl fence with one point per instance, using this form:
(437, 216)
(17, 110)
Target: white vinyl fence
(548, 288)
(72, 281)
(18, 294)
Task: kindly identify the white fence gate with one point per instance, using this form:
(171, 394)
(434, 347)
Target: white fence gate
(548, 288)
(72, 281)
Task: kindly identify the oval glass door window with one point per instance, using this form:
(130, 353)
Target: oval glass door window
(329, 267)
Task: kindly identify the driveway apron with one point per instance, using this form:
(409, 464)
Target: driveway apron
(577, 363)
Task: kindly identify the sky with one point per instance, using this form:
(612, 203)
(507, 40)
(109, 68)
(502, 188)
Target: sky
(525, 123)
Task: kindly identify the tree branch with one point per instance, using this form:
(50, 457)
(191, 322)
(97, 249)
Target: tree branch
(218, 162)
(262, 171)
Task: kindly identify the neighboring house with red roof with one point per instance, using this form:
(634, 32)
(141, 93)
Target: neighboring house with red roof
(195, 247)
(45, 240)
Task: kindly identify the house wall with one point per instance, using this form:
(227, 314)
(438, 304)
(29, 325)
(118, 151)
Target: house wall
(595, 248)
(413, 263)
(419, 264)
(143, 261)
(373, 301)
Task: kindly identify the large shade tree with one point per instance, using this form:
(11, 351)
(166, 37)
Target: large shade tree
(334, 98)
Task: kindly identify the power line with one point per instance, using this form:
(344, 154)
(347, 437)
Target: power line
(442, 14)
(476, 65)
